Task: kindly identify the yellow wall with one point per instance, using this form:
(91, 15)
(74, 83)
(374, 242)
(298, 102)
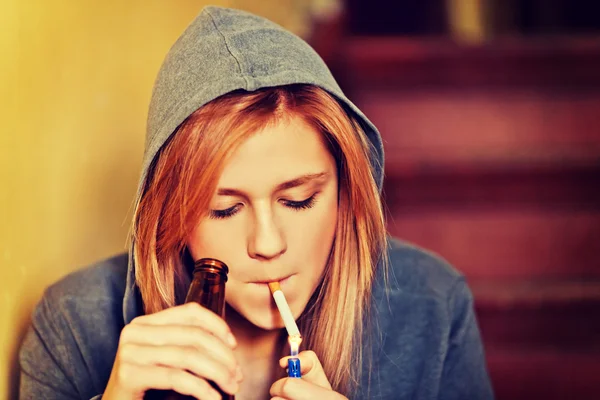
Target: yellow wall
(76, 79)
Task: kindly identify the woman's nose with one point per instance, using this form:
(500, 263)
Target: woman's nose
(267, 241)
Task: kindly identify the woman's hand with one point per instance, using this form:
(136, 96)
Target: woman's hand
(180, 349)
(313, 385)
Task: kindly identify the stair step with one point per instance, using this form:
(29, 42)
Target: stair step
(548, 375)
(539, 315)
(535, 293)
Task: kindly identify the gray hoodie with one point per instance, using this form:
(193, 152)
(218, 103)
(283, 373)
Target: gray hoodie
(426, 340)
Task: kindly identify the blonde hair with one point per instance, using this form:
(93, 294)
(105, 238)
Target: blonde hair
(188, 167)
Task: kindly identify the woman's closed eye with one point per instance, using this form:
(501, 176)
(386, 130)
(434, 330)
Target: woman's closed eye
(300, 205)
(226, 213)
(291, 204)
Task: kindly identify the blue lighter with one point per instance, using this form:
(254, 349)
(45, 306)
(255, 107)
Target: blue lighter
(294, 367)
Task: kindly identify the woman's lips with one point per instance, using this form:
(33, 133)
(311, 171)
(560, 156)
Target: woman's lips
(281, 281)
(264, 284)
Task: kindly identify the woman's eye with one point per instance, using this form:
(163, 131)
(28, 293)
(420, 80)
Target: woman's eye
(294, 205)
(229, 212)
(301, 205)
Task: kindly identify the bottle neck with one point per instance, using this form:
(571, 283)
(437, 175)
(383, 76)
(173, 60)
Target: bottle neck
(211, 266)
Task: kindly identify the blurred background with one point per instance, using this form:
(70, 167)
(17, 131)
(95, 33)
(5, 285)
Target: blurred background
(490, 110)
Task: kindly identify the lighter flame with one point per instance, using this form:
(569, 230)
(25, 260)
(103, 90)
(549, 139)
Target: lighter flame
(294, 342)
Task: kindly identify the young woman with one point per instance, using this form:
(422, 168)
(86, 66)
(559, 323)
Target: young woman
(255, 157)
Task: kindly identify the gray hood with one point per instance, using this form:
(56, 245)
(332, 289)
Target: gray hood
(223, 50)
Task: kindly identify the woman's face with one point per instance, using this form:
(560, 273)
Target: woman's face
(273, 218)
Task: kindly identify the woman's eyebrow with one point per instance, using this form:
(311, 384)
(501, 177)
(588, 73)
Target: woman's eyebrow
(299, 181)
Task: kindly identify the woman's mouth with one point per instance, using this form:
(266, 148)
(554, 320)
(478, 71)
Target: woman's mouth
(264, 283)
(259, 291)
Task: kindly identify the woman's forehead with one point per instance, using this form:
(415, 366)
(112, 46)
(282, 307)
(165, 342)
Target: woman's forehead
(278, 153)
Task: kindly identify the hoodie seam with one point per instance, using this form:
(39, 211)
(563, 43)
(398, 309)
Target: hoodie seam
(176, 107)
(237, 61)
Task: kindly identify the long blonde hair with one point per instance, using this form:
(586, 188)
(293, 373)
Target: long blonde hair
(187, 168)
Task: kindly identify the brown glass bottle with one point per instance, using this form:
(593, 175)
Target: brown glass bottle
(207, 289)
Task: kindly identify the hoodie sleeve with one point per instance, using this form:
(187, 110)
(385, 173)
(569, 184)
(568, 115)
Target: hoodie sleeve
(45, 357)
(464, 374)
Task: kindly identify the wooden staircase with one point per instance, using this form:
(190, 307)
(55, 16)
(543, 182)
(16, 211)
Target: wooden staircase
(493, 161)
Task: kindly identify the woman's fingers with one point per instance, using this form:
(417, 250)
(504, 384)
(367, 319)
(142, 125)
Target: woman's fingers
(182, 358)
(137, 379)
(181, 349)
(301, 389)
(311, 368)
(180, 335)
(190, 314)
(313, 385)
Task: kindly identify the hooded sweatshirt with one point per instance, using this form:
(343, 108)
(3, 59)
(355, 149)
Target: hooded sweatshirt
(425, 339)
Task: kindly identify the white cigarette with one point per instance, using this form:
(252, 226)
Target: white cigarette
(284, 310)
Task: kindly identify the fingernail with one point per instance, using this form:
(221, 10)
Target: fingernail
(231, 340)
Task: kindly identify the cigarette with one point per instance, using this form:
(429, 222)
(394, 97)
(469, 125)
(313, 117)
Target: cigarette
(284, 309)
(294, 337)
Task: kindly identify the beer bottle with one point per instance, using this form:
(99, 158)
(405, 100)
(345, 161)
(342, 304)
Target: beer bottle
(208, 290)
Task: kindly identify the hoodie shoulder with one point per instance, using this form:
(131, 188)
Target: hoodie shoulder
(420, 272)
(89, 300)
(424, 330)
(104, 280)
(70, 346)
